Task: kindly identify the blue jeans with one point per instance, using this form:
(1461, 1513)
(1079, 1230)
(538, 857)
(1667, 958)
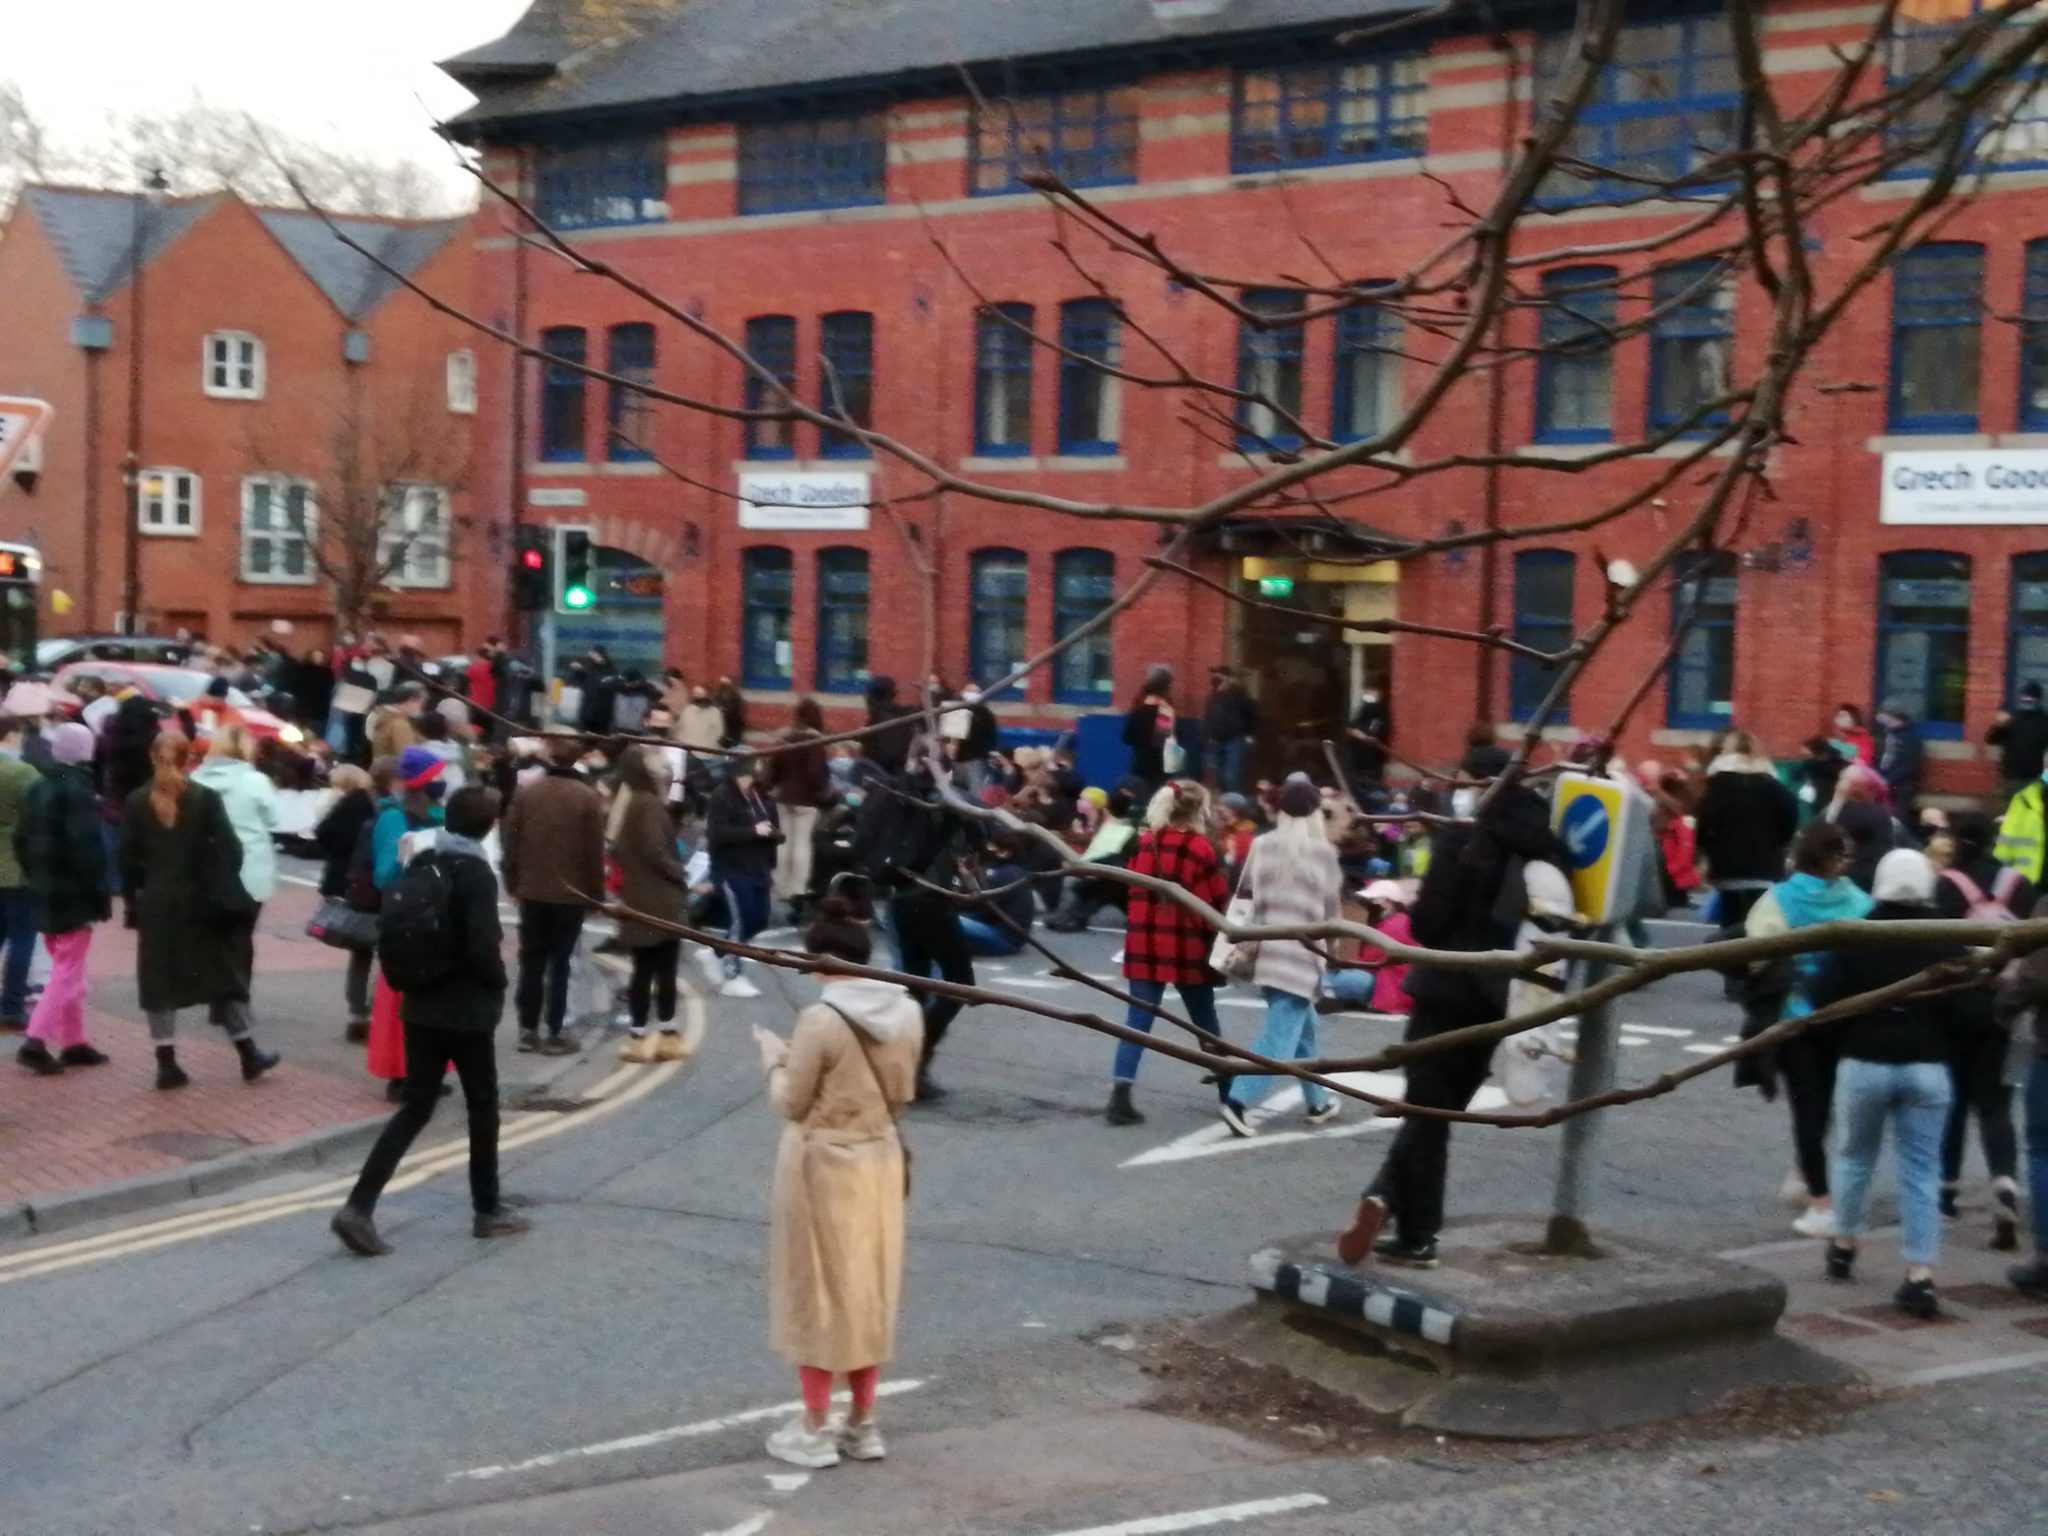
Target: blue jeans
(1915, 1098)
(1289, 1035)
(18, 935)
(985, 941)
(2037, 1149)
(1198, 999)
(1228, 760)
(1353, 988)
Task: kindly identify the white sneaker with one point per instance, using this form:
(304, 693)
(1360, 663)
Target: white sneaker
(1117, 958)
(707, 962)
(1793, 1192)
(738, 986)
(1234, 1118)
(801, 1447)
(860, 1442)
(1325, 1114)
(1817, 1221)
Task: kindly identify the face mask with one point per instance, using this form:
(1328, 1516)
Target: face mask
(1844, 723)
(971, 696)
(1463, 801)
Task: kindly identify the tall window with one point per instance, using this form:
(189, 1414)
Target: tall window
(771, 342)
(1269, 352)
(842, 620)
(277, 529)
(2027, 625)
(629, 353)
(2009, 130)
(1575, 366)
(1366, 393)
(462, 383)
(234, 366)
(1083, 584)
(1923, 636)
(767, 586)
(1086, 138)
(1091, 401)
(1543, 619)
(818, 162)
(2034, 340)
(1937, 337)
(997, 582)
(1692, 339)
(1700, 692)
(1003, 357)
(846, 385)
(1325, 114)
(1666, 103)
(623, 181)
(562, 392)
(414, 548)
(169, 501)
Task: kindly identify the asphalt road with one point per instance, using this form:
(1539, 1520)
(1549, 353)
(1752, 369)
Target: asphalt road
(233, 1371)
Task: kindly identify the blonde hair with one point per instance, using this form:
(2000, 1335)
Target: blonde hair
(168, 780)
(1179, 803)
(232, 741)
(347, 779)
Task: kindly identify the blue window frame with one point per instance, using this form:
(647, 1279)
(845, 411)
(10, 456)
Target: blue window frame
(815, 162)
(621, 181)
(846, 381)
(1003, 357)
(629, 354)
(842, 620)
(767, 589)
(1699, 692)
(1692, 343)
(2034, 340)
(1083, 584)
(1269, 353)
(771, 342)
(562, 394)
(1087, 138)
(1668, 101)
(1091, 400)
(1328, 114)
(998, 583)
(1923, 637)
(2026, 658)
(1937, 337)
(1366, 390)
(2009, 133)
(1543, 618)
(1575, 360)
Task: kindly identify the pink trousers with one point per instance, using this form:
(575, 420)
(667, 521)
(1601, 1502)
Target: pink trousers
(59, 1020)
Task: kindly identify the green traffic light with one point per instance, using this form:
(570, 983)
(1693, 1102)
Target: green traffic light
(577, 597)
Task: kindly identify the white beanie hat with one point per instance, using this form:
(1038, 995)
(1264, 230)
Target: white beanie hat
(1906, 877)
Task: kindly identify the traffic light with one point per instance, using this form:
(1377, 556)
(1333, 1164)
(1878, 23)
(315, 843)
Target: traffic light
(530, 570)
(573, 593)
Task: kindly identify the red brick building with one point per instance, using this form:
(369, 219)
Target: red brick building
(813, 179)
(285, 386)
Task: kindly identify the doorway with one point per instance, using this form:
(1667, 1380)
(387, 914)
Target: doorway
(1306, 671)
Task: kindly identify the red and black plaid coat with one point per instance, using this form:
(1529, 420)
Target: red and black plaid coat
(1164, 942)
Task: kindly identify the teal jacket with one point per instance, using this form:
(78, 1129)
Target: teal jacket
(250, 800)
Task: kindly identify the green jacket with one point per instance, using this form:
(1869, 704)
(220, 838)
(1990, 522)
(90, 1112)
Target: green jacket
(2021, 834)
(15, 779)
(61, 848)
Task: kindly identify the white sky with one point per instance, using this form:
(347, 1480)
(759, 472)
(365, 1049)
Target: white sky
(354, 73)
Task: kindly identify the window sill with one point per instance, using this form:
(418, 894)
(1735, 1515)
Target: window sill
(544, 467)
(1001, 464)
(443, 585)
(1897, 442)
(1235, 460)
(233, 394)
(629, 467)
(275, 581)
(1686, 447)
(1952, 751)
(167, 533)
(1564, 450)
(800, 466)
(1086, 461)
(1682, 736)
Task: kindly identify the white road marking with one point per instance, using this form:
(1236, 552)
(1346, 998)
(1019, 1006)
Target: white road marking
(787, 1482)
(1966, 1369)
(1215, 1140)
(752, 1527)
(1202, 1519)
(1658, 1029)
(1703, 1050)
(660, 1436)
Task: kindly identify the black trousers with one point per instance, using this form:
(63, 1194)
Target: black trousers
(654, 982)
(929, 939)
(1976, 1063)
(1807, 1064)
(1417, 1166)
(548, 933)
(428, 1055)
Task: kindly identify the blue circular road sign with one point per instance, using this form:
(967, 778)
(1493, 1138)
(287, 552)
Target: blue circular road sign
(1587, 827)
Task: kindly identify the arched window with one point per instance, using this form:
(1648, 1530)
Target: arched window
(767, 582)
(771, 342)
(846, 380)
(629, 354)
(2027, 625)
(562, 391)
(998, 580)
(1269, 353)
(1543, 618)
(1923, 637)
(1003, 355)
(1937, 337)
(1575, 356)
(1700, 695)
(842, 620)
(1083, 584)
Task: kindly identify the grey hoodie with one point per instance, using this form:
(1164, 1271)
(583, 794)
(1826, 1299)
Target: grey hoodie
(881, 1010)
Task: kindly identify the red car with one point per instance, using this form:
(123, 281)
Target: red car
(180, 688)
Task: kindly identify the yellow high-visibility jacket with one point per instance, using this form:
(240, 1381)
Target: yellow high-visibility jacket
(2023, 832)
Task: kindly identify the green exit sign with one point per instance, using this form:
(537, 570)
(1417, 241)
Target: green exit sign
(1276, 586)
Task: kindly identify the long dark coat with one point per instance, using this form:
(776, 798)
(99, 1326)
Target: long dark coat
(646, 852)
(186, 885)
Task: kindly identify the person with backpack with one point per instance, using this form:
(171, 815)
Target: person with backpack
(345, 828)
(742, 834)
(1979, 889)
(59, 845)
(182, 881)
(553, 850)
(643, 847)
(418, 778)
(440, 943)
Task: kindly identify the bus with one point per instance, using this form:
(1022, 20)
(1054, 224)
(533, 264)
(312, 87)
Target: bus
(21, 581)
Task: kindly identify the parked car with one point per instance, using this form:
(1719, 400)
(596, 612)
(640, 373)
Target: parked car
(65, 650)
(179, 688)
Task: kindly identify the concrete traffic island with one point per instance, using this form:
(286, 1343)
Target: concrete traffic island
(1504, 1341)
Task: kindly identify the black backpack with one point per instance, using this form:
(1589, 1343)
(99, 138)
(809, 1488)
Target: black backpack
(416, 926)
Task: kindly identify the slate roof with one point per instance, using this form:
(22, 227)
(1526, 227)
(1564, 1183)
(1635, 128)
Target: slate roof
(351, 281)
(721, 50)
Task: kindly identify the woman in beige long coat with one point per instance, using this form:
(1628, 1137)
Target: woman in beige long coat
(835, 1265)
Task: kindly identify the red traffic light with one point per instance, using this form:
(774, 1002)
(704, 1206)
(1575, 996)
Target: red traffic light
(532, 559)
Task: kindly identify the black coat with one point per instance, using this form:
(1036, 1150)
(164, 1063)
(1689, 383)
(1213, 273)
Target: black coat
(1369, 758)
(731, 835)
(471, 999)
(184, 886)
(1745, 822)
(983, 734)
(1148, 747)
(1901, 761)
(1873, 832)
(2022, 742)
(339, 832)
(889, 749)
(1230, 715)
(1917, 1029)
(63, 855)
(125, 747)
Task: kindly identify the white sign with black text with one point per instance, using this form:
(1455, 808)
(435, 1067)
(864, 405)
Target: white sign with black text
(1962, 486)
(805, 500)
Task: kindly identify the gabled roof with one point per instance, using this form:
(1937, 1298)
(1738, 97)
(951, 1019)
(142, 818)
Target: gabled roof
(551, 32)
(94, 233)
(354, 284)
(728, 50)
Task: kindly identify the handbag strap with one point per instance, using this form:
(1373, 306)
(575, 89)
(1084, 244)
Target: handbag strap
(860, 1039)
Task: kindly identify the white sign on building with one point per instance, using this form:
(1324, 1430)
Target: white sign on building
(1962, 486)
(805, 500)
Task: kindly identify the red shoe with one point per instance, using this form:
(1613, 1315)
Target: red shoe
(1354, 1244)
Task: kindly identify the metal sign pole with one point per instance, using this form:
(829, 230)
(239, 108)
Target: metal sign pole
(1592, 1072)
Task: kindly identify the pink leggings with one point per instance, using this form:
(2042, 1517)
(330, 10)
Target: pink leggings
(818, 1390)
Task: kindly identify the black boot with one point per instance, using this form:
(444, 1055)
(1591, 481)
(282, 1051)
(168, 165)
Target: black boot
(168, 1073)
(358, 1233)
(1121, 1110)
(254, 1062)
(37, 1058)
(82, 1055)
